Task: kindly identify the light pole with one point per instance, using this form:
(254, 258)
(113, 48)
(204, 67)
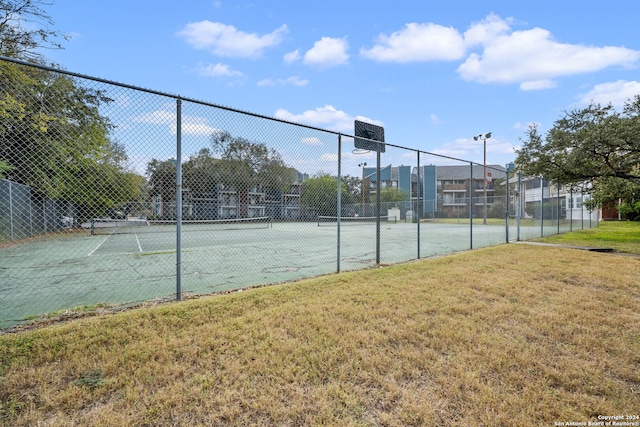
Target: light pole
(484, 178)
(362, 165)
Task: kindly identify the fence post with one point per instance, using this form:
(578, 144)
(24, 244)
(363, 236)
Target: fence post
(378, 176)
(541, 207)
(518, 207)
(178, 199)
(582, 208)
(44, 216)
(30, 214)
(418, 210)
(558, 208)
(571, 208)
(471, 207)
(506, 213)
(339, 208)
(10, 211)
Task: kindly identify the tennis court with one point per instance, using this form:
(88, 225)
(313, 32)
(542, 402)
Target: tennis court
(74, 269)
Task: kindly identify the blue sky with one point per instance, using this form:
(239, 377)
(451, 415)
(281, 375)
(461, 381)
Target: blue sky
(434, 74)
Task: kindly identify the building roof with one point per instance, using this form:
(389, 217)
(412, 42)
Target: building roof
(464, 172)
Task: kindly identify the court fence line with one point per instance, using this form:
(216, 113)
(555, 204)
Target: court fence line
(76, 150)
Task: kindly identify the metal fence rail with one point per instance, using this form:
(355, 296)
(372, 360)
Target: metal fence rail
(114, 194)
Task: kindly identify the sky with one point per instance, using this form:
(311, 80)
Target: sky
(433, 74)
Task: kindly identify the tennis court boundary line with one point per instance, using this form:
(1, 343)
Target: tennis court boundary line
(100, 244)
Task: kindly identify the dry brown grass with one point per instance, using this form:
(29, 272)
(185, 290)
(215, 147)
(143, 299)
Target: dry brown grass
(510, 335)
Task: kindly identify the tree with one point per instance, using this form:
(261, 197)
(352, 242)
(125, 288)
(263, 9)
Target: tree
(353, 193)
(596, 147)
(391, 195)
(320, 196)
(24, 28)
(4, 167)
(161, 179)
(54, 139)
(248, 165)
(52, 135)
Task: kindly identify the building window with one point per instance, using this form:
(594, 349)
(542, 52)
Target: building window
(454, 199)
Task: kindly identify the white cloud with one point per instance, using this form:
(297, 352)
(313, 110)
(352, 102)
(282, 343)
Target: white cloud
(327, 52)
(467, 148)
(327, 117)
(524, 126)
(313, 141)
(191, 125)
(291, 57)
(329, 157)
(417, 43)
(532, 57)
(614, 93)
(227, 40)
(485, 31)
(217, 70)
(290, 81)
(435, 119)
(537, 85)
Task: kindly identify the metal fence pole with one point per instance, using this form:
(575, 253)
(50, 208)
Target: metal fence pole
(558, 208)
(339, 208)
(378, 176)
(30, 214)
(571, 208)
(418, 210)
(471, 207)
(44, 216)
(506, 211)
(541, 207)
(582, 208)
(518, 207)
(178, 199)
(10, 211)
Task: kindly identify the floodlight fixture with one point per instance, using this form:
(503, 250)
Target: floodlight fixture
(484, 178)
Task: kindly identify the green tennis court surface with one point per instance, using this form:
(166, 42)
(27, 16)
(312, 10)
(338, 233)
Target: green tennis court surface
(65, 271)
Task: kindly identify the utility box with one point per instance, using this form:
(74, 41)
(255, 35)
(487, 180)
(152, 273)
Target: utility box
(409, 216)
(393, 214)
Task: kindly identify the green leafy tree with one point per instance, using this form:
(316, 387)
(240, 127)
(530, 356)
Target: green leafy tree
(391, 195)
(353, 193)
(25, 28)
(52, 135)
(161, 180)
(248, 165)
(597, 147)
(4, 167)
(320, 195)
(54, 139)
(202, 172)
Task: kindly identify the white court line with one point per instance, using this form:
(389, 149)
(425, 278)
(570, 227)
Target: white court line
(138, 240)
(101, 243)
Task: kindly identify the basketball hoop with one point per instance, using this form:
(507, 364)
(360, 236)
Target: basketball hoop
(360, 151)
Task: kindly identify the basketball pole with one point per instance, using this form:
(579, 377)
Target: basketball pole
(378, 205)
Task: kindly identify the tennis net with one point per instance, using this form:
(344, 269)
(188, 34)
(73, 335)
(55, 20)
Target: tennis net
(353, 220)
(101, 226)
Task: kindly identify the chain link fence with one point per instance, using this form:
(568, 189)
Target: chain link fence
(113, 195)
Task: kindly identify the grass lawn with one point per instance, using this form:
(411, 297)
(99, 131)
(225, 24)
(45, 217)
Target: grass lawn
(509, 335)
(621, 236)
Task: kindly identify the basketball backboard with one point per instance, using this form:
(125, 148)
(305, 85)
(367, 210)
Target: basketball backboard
(366, 135)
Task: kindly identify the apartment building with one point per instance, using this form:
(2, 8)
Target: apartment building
(445, 191)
